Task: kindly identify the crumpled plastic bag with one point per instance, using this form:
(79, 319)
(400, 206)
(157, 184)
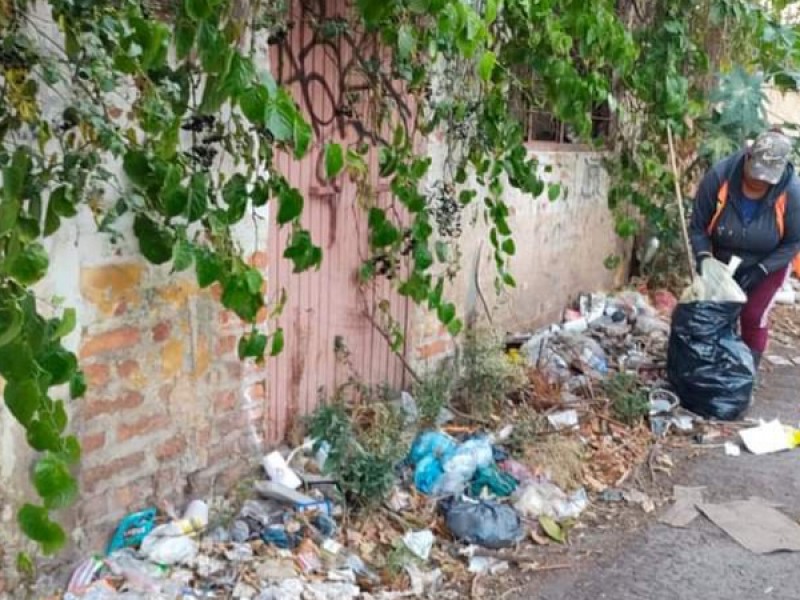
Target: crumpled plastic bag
(538, 499)
(469, 456)
(431, 443)
(715, 283)
(427, 475)
(166, 549)
(498, 482)
(485, 523)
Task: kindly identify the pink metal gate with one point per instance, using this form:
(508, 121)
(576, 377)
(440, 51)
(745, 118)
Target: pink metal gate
(326, 311)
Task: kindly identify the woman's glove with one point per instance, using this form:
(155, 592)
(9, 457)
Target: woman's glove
(750, 277)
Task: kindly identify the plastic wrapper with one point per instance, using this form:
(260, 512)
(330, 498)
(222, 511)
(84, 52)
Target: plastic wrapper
(522, 473)
(168, 549)
(428, 474)
(708, 364)
(468, 457)
(715, 284)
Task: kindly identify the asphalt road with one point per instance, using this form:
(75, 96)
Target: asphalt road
(701, 562)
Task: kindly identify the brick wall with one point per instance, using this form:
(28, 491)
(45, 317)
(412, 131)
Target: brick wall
(170, 408)
(170, 413)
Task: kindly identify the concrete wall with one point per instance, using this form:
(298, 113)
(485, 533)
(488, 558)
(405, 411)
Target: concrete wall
(561, 248)
(783, 107)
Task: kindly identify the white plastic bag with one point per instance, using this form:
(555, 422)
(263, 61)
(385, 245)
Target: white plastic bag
(716, 283)
(538, 499)
(162, 547)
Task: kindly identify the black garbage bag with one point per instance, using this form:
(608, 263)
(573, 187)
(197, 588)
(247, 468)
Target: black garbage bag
(485, 523)
(708, 364)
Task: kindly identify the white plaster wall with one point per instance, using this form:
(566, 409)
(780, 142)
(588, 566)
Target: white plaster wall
(561, 246)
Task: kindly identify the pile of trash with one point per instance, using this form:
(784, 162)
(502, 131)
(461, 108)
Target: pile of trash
(604, 333)
(460, 496)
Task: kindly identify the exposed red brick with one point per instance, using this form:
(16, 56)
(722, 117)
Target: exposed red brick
(126, 401)
(161, 332)
(259, 260)
(91, 477)
(165, 391)
(203, 436)
(171, 448)
(234, 369)
(226, 345)
(92, 507)
(224, 451)
(166, 483)
(432, 349)
(103, 343)
(254, 371)
(93, 442)
(229, 423)
(145, 425)
(133, 495)
(96, 375)
(257, 392)
(224, 401)
(127, 368)
(231, 475)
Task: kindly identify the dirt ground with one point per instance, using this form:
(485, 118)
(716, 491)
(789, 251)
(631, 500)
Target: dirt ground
(623, 554)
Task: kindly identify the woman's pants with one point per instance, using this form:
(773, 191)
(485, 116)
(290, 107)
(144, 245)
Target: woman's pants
(754, 319)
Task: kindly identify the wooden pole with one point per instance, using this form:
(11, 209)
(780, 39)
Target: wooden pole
(679, 199)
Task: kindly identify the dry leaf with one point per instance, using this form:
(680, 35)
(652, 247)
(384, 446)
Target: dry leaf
(539, 539)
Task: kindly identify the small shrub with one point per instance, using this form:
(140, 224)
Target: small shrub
(629, 401)
(433, 392)
(365, 444)
(486, 374)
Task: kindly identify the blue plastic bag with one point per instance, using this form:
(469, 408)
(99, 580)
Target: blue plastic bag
(427, 475)
(431, 443)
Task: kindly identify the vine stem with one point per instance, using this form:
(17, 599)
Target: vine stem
(679, 200)
(406, 365)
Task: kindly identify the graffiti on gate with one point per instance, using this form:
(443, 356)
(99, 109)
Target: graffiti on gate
(338, 74)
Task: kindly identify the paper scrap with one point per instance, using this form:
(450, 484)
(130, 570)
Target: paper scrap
(778, 361)
(643, 500)
(766, 438)
(732, 449)
(755, 525)
(566, 419)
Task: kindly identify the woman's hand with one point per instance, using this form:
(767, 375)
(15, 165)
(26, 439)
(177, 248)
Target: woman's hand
(750, 277)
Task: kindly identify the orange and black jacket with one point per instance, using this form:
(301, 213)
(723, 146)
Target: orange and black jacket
(772, 238)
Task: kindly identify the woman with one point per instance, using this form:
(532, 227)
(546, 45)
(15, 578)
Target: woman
(748, 205)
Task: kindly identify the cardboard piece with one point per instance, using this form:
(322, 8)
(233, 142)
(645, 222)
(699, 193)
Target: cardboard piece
(684, 510)
(755, 524)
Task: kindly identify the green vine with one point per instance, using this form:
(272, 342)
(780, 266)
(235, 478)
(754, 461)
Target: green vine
(195, 124)
(702, 69)
(187, 116)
